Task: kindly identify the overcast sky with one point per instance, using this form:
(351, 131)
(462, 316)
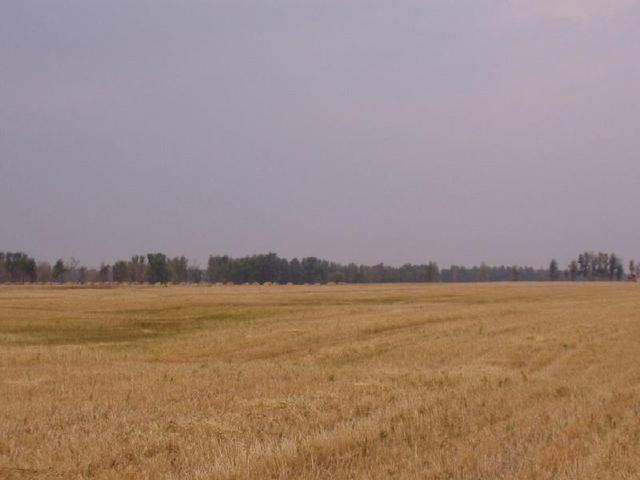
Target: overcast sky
(460, 131)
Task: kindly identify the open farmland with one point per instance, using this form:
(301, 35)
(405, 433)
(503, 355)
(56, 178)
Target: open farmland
(489, 381)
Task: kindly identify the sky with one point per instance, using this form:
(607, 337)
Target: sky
(503, 131)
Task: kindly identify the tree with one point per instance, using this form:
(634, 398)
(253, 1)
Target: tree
(120, 271)
(43, 272)
(137, 269)
(296, 274)
(553, 270)
(59, 270)
(82, 274)
(573, 270)
(432, 272)
(3, 271)
(314, 270)
(104, 273)
(616, 268)
(268, 268)
(179, 267)
(30, 270)
(194, 274)
(72, 274)
(218, 269)
(17, 267)
(483, 272)
(514, 273)
(157, 268)
(619, 272)
(584, 265)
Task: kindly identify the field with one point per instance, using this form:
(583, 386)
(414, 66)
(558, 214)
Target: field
(489, 381)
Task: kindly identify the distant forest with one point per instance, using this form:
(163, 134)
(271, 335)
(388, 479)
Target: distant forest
(18, 267)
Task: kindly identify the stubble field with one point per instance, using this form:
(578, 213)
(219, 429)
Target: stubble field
(492, 381)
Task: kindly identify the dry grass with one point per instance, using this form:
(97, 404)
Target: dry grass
(510, 381)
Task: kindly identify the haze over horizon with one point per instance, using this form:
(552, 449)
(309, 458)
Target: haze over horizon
(499, 131)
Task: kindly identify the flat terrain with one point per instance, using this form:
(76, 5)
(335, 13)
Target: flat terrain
(493, 381)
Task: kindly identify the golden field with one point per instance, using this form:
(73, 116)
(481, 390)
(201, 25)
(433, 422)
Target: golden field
(484, 381)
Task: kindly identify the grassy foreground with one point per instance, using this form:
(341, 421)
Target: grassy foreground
(494, 381)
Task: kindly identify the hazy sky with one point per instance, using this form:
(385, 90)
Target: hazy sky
(461, 131)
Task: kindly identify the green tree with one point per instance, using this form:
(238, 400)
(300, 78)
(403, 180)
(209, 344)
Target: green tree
(574, 269)
(121, 271)
(59, 270)
(3, 270)
(514, 273)
(179, 267)
(483, 272)
(616, 268)
(18, 267)
(218, 269)
(432, 272)
(82, 274)
(158, 268)
(554, 270)
(195, 274)
(296, 274)
(104, 273)
(137, 269)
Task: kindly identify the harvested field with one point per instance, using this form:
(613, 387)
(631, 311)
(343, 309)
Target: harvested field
(489, 381)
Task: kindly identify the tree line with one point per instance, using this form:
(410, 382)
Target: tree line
(18, 267)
